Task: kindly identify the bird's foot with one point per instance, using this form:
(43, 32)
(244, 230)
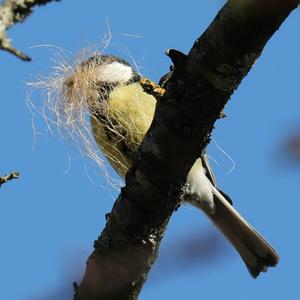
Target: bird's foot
(152, 88)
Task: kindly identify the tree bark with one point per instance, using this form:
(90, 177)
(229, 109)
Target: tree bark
(196, 94)
(11, 12)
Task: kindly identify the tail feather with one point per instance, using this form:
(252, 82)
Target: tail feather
(255, 251)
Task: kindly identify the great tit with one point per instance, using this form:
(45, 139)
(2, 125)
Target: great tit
(121, 111)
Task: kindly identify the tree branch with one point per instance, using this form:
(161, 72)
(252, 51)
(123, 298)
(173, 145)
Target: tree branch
(195, 95)
(11, 12)
(5, 178)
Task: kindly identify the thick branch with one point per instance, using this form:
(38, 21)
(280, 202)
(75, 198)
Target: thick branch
(196, 93)
(11, 12)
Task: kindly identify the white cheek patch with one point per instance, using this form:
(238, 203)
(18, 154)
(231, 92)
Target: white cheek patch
(115, 72)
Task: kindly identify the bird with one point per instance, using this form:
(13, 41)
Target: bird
(121, 105)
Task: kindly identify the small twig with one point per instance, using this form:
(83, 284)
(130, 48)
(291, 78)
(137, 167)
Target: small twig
(5, 178)
(5, 44)
(12, 12)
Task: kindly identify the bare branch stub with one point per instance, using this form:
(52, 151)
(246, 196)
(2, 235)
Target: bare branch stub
(12, 175)
(185, 115)
(12, 12)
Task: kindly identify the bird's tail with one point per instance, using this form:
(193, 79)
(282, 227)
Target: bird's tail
(255, 251)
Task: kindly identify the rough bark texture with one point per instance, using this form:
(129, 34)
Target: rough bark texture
(196, 93)
(11, 12)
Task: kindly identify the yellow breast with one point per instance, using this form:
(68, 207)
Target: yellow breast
(128, 116)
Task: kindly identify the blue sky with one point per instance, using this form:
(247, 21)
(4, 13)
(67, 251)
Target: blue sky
(50, 217)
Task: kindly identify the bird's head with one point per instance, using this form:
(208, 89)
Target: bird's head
(94, 79)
